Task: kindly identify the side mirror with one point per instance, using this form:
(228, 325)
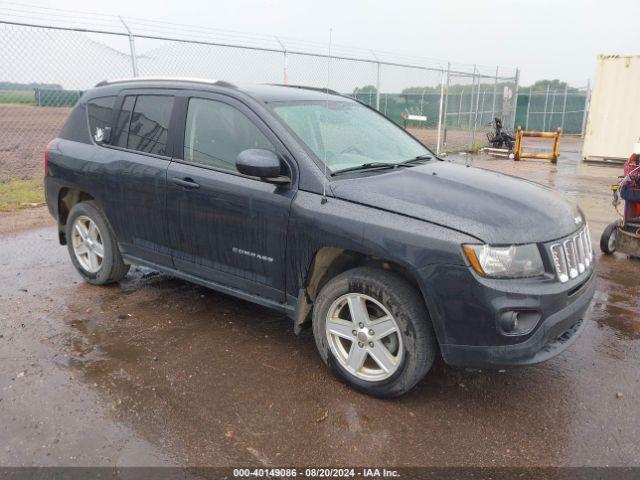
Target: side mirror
(263, 164)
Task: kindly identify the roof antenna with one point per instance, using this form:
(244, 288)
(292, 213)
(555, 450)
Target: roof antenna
(324, 182)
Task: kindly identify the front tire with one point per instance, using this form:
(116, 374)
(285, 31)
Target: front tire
(92, 245)
(373, 331)
(608, 238)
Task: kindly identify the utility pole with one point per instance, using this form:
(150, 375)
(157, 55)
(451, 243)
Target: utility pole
(544, 113)
(460, 107)
(446, 106)
(564, 106)
(475, 118)
(440, 114)
(526, 121)
(473, 85)
(586, 108)
(495, 93)
(553, 109)
(132, 48)
(377, 80)
(514, 106)
(285, 78)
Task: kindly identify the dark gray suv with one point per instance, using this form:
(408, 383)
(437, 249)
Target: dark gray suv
(313, 204)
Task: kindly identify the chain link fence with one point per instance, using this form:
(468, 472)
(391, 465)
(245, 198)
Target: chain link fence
(549, 109)
(46, 69)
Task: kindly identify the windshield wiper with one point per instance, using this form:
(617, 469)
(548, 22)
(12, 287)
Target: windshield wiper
(383, 165)
(367, 166)
(419, 158)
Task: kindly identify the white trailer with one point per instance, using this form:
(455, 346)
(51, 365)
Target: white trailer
(613, 122)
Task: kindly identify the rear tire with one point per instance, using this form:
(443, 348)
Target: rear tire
(384, 366)
(608, 238)
(92, 245)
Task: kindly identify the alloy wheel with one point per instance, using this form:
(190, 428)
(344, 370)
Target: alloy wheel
(364, 337)
(87, 244)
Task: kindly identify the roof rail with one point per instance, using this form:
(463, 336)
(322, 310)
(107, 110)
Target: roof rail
(304, 87)
(220, 83)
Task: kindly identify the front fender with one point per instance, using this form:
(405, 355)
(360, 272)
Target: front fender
(408, 242)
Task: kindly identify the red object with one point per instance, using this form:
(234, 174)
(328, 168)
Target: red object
(631, 164)
(631, 188)
(633, 209)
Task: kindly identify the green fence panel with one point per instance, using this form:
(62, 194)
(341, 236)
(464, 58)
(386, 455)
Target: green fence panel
(56, 98)
(394, 105)
(549, 119)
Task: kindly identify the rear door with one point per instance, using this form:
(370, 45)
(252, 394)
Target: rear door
(135, 198)
(224, 226)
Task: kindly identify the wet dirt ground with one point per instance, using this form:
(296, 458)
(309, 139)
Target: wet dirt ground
(156, 371)
(26, 131)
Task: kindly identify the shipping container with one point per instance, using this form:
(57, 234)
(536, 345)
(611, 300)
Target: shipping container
(613, 123)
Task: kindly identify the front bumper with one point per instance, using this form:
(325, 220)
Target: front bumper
(472, 339)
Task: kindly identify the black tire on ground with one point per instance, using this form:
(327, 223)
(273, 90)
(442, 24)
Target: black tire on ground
(607, 240)
(112, 269)
(407, 307)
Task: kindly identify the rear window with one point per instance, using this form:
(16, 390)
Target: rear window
(100, 112)
(122, 125)
(149, 125)
(143, 123)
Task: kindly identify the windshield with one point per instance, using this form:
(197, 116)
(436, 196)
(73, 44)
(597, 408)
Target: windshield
(348, 134)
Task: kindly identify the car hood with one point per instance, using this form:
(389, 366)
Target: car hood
(493, 207)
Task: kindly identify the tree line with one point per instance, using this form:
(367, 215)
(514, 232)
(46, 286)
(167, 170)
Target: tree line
(538, 86)
(29, 86)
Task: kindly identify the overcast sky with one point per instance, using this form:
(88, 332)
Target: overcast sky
(546, 39)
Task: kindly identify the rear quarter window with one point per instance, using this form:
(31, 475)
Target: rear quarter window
(100, 113)
(149, 124)
(122, 125)
(75, 127)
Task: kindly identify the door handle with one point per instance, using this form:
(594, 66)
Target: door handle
(187, 183)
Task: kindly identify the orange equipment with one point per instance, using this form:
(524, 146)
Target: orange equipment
(553, 156)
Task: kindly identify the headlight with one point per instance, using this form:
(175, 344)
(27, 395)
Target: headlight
(504, 262)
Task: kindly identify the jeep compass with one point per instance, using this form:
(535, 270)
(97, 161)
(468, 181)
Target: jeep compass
(313, 204)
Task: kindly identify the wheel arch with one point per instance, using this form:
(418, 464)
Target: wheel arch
(68, 197)
(327, 262)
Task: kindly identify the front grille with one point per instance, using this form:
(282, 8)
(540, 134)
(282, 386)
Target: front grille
(573, 255)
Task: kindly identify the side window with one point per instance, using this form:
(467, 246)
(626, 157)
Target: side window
(216, 133)
(122, 125)
(149, 125)
(100, 111)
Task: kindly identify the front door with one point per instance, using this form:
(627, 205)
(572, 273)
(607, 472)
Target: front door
(224, 226)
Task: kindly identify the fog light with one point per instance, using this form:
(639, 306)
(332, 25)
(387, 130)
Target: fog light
(518, 322)
(509, 321)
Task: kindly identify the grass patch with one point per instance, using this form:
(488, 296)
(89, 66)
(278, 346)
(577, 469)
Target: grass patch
(15, 193)
(18, 97)
(475, 148)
